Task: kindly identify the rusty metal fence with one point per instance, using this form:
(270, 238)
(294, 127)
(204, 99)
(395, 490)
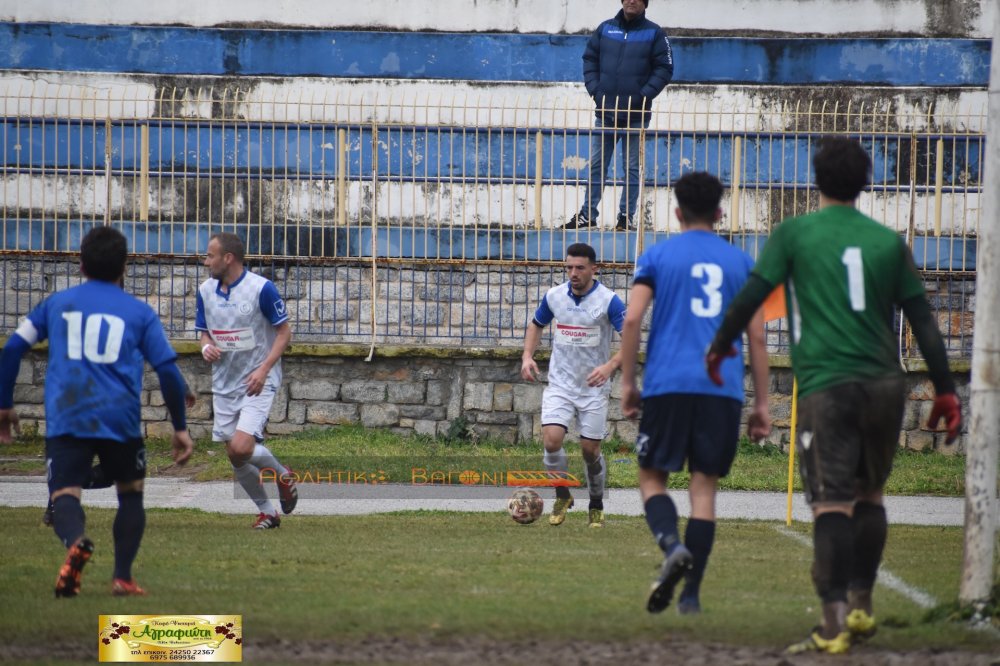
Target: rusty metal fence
(440, 221)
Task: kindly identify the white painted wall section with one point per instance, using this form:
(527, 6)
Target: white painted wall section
(430, 102)
(827, 17)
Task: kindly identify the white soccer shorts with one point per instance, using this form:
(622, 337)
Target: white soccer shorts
(242, 412)
(591, 412)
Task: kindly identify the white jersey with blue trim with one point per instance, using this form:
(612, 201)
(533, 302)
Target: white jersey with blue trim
(241, 323)
(581, 334)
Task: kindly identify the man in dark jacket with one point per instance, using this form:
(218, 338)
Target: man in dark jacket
(627, 63)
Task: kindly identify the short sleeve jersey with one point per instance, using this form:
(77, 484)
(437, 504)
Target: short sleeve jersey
(99, 340)
(242, 324)
(694, 277)
(581, 334)
(844, 274)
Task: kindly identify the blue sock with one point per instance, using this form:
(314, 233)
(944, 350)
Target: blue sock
(698, 537)
(661, 516)
(130, 523)
(68, 519)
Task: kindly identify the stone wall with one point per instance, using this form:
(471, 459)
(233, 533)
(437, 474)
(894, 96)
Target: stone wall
(424, 392)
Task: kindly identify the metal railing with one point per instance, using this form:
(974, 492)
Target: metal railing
(440, 221)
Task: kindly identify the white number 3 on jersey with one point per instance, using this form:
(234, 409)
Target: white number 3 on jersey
(711, 304)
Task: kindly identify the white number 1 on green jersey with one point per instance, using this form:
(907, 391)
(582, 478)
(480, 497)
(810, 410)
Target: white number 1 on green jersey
(855, 277)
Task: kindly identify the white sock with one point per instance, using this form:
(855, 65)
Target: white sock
(248, 476)
(555, 461)
(263, 459)
(596, 473)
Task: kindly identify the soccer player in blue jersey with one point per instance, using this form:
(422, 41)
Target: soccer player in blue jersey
(689, 279)
(99, 338)
(583, 313)
(244, 331)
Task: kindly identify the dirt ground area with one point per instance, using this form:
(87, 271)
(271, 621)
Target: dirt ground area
(469, 651)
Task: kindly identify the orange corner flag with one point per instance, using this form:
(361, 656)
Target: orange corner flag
(774, 305)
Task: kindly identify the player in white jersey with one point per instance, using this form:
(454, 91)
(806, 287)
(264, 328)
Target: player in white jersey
(244, 331)
(584, 312)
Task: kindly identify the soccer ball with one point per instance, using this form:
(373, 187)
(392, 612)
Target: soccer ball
(525, 506)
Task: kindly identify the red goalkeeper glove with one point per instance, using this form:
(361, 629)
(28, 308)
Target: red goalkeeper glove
(948, 407)
(713, 360)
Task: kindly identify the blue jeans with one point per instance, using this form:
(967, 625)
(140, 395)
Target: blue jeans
(602, 148)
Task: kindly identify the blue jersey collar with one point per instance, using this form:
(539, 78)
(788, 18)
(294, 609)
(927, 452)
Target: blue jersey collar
(225, 294)
(577, 299)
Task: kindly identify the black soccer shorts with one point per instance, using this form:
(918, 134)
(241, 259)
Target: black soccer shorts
(848, 435)
(68, 460)
(702, 429)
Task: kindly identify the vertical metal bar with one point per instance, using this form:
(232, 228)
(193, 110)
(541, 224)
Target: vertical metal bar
(734, 214)
(538, 181)
(144, 173)
(341, 177)
(938, 185)
(107, 166)
(374, 246)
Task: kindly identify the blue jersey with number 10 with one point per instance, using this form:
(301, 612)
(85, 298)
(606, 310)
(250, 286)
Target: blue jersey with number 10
(99, 337)
(694, 277)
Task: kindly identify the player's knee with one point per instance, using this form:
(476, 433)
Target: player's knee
(72, 491)
(240, 447)
(125, 487)
(591, 449)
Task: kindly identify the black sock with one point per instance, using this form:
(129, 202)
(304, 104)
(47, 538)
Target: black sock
(562, 492)
(698, 537)
(596, 503)
(130, 523)
(661, 516)
(833, 556)
(68, 519)
(97, 479)
(870, 531)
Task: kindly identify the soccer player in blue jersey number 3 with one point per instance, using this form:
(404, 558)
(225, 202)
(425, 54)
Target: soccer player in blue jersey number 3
(99, 338)
(689, 279)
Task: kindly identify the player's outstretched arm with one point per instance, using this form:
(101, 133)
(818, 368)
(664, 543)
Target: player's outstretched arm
(946, 403)
(10, 425)
(759, 422)
(738, 316)
(209, 351)
(256, 380)
(182, 445)
(10, 363)
(602, 373)
(639, 300)
(532, 336)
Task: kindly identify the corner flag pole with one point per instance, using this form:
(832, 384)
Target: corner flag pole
(775, 307)
(791, 450)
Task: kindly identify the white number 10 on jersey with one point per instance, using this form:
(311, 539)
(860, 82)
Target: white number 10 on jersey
(83, 340)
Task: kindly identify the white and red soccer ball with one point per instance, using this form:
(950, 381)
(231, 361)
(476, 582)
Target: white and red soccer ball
(525, 506)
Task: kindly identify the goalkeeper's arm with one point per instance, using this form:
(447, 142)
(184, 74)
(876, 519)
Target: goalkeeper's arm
(740, 312)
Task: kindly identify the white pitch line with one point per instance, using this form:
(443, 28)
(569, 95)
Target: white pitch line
(885, 577)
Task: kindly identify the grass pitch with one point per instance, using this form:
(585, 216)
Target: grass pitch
(427, 576)
(354, 447)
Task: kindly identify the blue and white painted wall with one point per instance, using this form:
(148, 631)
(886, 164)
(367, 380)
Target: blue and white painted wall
(740, 66)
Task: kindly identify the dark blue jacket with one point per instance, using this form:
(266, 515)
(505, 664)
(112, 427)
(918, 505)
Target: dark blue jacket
(627, 63)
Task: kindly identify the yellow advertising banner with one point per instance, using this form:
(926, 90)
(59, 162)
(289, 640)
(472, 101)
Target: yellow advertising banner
(166, 638)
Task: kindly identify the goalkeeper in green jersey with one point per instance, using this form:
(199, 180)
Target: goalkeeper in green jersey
(844, 275)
